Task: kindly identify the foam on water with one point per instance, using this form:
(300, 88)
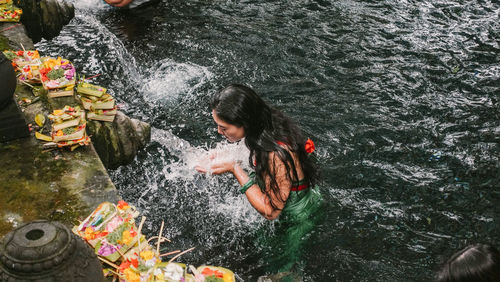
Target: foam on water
(167, 80)
(179, 184)
(94, 45)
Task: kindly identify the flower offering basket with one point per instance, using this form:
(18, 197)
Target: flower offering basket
(92, 228)
(170, 272)
(129, 257)
(90, 89)
(68, 127)
(100, 105)
(58, 76)
(9, 12)
(218, 272)
(117, 242)
(30, 73)
(22, 58)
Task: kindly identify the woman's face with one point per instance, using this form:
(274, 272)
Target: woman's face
(232, 132)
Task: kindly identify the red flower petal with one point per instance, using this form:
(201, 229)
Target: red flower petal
(309, 146)
(135, 262)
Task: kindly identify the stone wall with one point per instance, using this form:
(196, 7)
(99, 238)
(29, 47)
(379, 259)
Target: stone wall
(45, 18)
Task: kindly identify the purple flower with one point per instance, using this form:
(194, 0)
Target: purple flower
(106, 249)
(69, 74)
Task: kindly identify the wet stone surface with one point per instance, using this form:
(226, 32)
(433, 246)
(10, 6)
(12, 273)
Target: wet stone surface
(55, 185)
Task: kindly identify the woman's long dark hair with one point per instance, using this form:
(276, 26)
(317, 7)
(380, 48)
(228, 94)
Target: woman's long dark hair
(475, 263)
(264, 126)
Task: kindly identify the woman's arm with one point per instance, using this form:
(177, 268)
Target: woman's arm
(118, 3)
(260, 201)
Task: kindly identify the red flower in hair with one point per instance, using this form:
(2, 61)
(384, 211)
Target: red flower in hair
(309, 146)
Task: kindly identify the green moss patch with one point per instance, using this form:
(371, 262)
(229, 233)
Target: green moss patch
(4, 43)
(32, 189)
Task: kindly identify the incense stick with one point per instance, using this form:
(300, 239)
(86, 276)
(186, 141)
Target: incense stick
(159, 238)
(27, 83)
(163, 239)
(93, 76)
(139, 233)
(121, 254)
(180, 254)
(108, 262)
(10, 27)
(115, 273)
(170, 253)
(196, 273)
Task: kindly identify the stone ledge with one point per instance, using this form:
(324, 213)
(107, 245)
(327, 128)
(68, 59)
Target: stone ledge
(58, 185)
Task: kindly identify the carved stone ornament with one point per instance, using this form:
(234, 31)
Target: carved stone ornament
(47, 251)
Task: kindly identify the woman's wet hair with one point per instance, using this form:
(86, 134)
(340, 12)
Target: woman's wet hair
(264, 126)
(239, 105)
(475, 263)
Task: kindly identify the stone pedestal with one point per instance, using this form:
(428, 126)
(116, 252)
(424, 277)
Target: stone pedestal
(47, 251)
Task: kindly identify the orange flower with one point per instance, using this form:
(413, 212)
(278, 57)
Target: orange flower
(126, 264)
(131, 275)
(209, 272)
(127, 237)
(89, 233)
(147, 255)
(309, 146)
(122, 205)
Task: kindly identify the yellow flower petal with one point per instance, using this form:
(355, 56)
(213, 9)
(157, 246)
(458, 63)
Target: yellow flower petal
(43, 137)
(147, 255)
(40, 119)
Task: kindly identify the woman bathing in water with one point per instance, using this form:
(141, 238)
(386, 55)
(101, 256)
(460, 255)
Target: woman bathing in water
(285, 176)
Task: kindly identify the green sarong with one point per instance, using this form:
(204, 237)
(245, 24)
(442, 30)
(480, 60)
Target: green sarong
(284, 246)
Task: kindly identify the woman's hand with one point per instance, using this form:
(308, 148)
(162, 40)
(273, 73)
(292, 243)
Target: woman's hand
(118, 3)
(219, 168)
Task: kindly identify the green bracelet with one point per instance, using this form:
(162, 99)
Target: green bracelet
(247, 185)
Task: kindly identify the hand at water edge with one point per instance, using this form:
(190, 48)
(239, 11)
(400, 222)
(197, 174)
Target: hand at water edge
(218, 168)
(204, 163)
(118, 3)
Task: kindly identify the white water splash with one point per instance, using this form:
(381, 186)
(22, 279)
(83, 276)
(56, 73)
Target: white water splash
(167, 80)
(191, 157)
(93, 48)
(210, 188)
(90, 4)
(108, 48)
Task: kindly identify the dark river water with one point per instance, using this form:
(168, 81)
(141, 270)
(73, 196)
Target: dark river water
(400, 97)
